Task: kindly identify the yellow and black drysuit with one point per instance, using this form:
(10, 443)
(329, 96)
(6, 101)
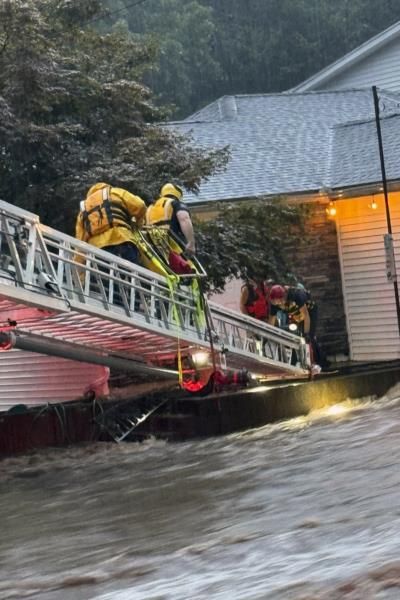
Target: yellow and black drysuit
(163, 212)
(105, 220)
(161, 219)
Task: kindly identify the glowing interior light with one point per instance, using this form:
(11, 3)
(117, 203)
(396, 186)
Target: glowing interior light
(200, 359)
(331, 210)
(292, 327)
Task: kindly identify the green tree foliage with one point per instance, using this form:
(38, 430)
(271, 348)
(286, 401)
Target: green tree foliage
(250, 240)
(183, 33)
(208, 48)
(74, 110)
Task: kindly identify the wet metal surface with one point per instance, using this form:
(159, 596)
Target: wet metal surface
(307, 510)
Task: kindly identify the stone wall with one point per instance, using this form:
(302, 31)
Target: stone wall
(315, 262)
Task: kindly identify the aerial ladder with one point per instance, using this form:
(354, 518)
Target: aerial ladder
(63, 297)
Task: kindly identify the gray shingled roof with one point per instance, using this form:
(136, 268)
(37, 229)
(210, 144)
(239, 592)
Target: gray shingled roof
(355, 157)
(287, 143)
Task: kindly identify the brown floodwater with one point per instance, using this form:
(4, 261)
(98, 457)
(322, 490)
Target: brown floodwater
(307, 509)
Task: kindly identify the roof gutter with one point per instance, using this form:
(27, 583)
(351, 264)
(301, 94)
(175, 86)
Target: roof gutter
(337, 193)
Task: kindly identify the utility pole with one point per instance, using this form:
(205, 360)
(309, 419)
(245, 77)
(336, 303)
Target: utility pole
(388, 238)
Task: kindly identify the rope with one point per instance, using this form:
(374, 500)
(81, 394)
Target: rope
(172, 283)
(209, 330)
(180, 369)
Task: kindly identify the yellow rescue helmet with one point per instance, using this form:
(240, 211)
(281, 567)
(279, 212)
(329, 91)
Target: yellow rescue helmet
(170, 189)
(95, 188)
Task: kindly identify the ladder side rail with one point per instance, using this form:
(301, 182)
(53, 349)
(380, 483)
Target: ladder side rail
(87, 275)
(144, 304)
(38, 244)
(30, 258)
(222, 330)
(254, 325)
(164, 314)
(94, 276)
(189, 319)
(219, 310)
(133, 297)
(122, 273)
(97, 276)
(13, 250)
(281, 357)
(67, 268)
(47, 259)
(82, 249)
(77, 279)
(234, 337)
(124, 297)
(151, 295)
(153, 304)
(112, 282)
(99, 281)
(76, 265)
(238, 334)
(183, 299)
(18, 213)
(64, 275)
(268, 332)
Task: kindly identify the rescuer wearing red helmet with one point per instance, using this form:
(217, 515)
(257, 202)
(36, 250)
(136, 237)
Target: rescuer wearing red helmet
(297, 303)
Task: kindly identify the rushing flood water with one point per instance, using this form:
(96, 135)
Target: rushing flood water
(305, 510)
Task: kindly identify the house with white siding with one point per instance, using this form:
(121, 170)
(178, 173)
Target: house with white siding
(318, 147)
(376, 62)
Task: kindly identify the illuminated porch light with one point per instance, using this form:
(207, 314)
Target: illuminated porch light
(331, 209)
(373, 205)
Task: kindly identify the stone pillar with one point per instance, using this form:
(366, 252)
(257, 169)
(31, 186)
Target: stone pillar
(315, 262)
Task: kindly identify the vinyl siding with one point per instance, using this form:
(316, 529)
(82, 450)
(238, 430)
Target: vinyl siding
(34, 379)
(369, 297)
(382, 68)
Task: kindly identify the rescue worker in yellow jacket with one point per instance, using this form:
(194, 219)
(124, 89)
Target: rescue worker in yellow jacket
(169, 211)
(105, 220)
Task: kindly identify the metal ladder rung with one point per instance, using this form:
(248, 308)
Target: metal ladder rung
(123, 425)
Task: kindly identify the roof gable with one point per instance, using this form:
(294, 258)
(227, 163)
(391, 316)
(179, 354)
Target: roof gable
(351, 58)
